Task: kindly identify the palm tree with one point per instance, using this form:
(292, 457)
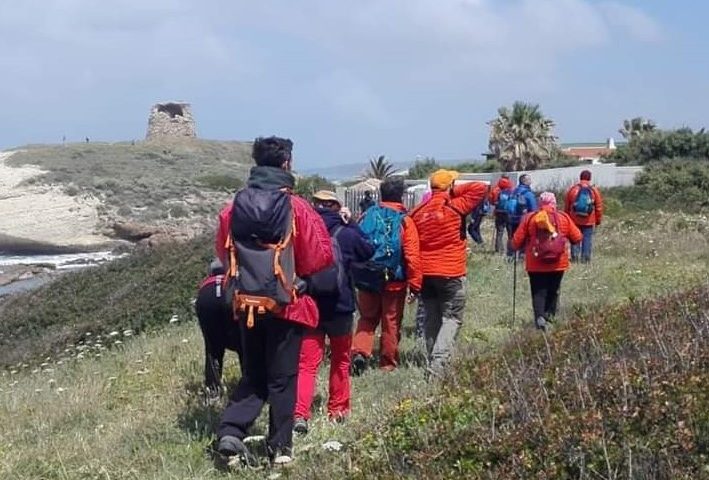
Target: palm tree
(522, 138)
(637, 127)
(379, 168)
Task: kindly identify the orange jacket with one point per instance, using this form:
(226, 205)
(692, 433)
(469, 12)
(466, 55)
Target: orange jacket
(527, 230)
(502, 184)
(412, 257)
(441, 228)
(596, 215)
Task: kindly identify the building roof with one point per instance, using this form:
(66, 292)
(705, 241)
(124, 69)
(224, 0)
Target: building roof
(587, 152)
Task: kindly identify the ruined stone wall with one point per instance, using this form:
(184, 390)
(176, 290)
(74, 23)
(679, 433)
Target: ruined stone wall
(171, 120)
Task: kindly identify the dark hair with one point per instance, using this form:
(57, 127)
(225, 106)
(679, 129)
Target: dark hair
(271, 151)
(586, 175)
(523, 178)
(392, 189)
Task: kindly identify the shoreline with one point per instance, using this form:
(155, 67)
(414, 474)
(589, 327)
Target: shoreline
(14, 246)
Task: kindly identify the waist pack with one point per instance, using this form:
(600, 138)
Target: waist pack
(260, 276)
(548, 246)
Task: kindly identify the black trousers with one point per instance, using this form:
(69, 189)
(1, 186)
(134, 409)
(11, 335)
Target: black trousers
(219, 330)
(545, 293)
(270, 373)
(501, 226)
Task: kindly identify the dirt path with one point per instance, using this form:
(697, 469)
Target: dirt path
(45, 214)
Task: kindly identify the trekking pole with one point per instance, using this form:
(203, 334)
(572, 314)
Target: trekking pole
(514, 289)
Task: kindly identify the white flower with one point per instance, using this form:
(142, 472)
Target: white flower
(127, 333)
(174, 319)
(113, 334)
(332, 446)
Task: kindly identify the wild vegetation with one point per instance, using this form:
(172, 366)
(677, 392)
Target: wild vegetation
(653, 145)
(132, 409)
(141, 291)
(145, 181)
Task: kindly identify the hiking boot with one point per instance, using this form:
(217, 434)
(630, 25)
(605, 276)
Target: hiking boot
(282, 457)
(300, 426)
(541, 323)
(337, 418)
(230, 446)
(359, 365)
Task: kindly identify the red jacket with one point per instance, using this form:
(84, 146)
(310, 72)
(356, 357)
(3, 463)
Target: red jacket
(441, 227)
(502, 184)
(312, 249)
(527, 230)
(596, 216)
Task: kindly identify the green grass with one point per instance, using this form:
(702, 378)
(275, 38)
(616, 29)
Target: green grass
(147, 180)
(133, 410)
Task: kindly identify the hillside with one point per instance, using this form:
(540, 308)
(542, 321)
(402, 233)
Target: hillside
(75, 194)
(106, 402)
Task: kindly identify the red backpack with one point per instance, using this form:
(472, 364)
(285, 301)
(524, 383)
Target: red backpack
(546, 246)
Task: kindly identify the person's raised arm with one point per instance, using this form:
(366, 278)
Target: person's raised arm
(467, 196)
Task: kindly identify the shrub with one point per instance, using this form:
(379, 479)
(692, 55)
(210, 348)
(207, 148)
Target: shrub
(423, 168)
(616, 391)
(221, 183)
(673, 185)
(138, 292)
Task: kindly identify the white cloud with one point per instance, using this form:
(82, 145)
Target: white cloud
(636, 23)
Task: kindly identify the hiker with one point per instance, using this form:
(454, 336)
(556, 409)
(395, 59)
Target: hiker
(366, 203)
(520, 203)
(476, 218)
(441, 226)
(274, 239)
(499, 195)
(584, 204)
(334, 294)
(545, 234)
(218, 328)
(383, 281)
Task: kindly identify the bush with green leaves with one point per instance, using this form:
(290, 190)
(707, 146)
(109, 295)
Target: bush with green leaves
(308, 185)
(141, 291)
(423, 168)
(662, 145)
(677, 185)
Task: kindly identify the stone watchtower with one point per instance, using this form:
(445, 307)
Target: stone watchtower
(171, 120)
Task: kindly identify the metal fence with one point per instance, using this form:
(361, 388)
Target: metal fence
(353, 198)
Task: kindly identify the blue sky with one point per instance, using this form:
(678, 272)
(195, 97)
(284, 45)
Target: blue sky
(348, 80)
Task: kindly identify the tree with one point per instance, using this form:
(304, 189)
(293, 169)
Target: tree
(423, 168)
(522, 138)
(636, 127)
(308, 185)
(379, 168)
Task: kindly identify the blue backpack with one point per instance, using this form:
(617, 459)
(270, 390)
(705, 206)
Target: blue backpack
(382, 226)
(517, 204)
(584, 204)
(503, 200)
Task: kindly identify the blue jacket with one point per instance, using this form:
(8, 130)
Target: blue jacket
(354, 247)
(529, 197)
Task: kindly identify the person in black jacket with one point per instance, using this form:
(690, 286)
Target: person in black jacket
(336, 318)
